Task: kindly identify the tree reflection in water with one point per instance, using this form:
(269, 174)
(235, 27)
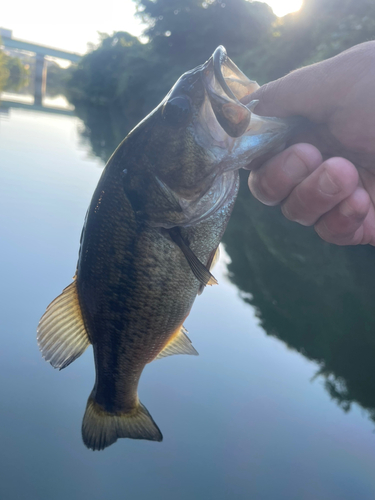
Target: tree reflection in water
(316, 297)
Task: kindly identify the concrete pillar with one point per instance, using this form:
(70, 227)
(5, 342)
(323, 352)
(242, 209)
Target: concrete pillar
(40, 79)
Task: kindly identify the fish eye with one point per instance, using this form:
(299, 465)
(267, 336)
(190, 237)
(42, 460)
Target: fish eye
(177, 111)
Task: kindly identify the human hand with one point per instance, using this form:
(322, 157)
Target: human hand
(327, 177)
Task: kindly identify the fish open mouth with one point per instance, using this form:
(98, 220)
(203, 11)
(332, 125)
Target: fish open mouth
(226, 88)
(226, 128)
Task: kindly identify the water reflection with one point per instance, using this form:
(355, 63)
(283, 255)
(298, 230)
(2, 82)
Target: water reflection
(241, 420)
(315, 297)
(104, 127)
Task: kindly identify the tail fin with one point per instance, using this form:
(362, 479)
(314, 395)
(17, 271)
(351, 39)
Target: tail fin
(101, 429)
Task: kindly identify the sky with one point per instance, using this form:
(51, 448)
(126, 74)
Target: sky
(79, 22)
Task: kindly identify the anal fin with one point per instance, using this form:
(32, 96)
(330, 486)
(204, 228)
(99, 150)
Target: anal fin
(200, 271)
(179, 344)
(62, 336)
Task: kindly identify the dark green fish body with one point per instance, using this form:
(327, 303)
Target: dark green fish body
(150, 239)
(136, 288)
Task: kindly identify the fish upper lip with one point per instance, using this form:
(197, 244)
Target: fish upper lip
(219, 57)
(240, 85)
(225, 86)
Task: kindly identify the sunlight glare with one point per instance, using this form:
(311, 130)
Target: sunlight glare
(283, 7)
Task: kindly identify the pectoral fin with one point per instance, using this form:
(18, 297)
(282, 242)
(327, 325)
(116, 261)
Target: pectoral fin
(62, 336)
(179, 344)
(200, 271)
(168, 194)
(213, 258)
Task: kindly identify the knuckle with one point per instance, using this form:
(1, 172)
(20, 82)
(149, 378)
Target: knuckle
(298, 208)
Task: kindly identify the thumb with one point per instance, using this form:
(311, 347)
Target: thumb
(301, 92)
(315, 91)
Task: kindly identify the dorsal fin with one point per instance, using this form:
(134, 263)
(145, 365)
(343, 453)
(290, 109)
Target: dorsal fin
(179, 344)
(62, 336)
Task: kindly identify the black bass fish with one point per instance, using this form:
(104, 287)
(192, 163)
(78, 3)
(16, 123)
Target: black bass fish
(150, 238)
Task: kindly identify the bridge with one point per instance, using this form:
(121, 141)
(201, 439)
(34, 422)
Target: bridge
(40, 52)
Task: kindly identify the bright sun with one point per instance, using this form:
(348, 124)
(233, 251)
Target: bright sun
(283, 7)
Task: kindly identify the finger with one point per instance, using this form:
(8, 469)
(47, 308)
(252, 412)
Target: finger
(333, 181)
(344, 224)
(300, 92)
(276, 179)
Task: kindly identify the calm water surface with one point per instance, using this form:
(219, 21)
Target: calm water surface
(247, 419)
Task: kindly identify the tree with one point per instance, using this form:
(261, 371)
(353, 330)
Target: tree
(187, 30)
(18, 74)
(56, 79)
(4, 72)
(13, 74)
(321, 29)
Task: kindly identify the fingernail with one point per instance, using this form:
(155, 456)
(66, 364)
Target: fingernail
(294, 167)
(327, 185)
(346, 209)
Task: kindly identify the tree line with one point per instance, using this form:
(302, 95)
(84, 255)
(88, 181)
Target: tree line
(124, 78)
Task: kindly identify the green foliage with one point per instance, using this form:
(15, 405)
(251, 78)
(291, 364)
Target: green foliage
(349, 21)
(4, 72)
(321, 29)
(120, 75)
(97, 76)
(180, 29)
(13, 74)
(56, 79)
(18, 74)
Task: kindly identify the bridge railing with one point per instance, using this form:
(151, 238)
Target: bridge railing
(40, 52)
